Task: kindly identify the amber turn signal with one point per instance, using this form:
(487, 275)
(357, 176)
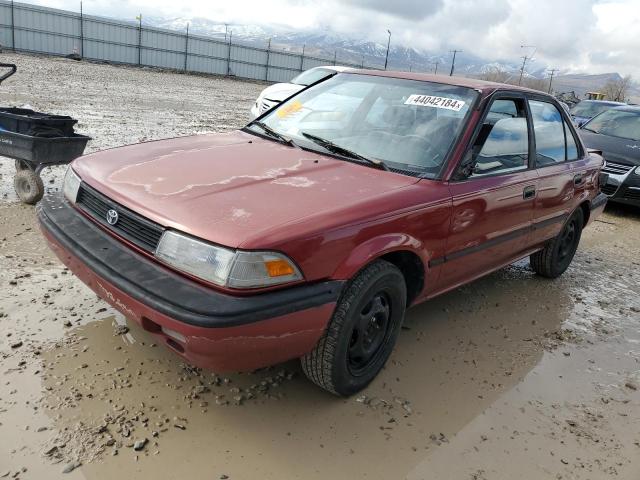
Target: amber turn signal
(278, 268)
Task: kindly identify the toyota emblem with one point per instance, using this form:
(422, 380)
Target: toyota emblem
(112, 217)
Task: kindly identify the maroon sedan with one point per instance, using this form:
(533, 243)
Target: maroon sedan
(309, 232)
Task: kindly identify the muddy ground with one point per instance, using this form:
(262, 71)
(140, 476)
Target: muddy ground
(513, 376)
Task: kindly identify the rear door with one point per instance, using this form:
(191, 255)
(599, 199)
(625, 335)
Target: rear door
(562, 177)
(493, 199)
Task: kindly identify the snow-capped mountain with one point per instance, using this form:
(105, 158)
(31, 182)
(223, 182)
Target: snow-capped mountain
(327, 44)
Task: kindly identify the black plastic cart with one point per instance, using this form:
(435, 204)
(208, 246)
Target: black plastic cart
(36, 140)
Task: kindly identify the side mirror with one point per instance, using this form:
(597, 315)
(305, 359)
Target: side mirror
(468, 164)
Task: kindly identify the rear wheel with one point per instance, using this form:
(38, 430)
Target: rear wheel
(555, 258)
(28, 185)
(361, 333)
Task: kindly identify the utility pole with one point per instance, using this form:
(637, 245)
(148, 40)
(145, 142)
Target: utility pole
(386, 58)
(453, 61)
(524, 60)
(552, 71)
(226, 29)
(435, 72)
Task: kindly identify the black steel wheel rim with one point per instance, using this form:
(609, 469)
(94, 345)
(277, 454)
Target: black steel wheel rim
(567, 240)
(370, 333)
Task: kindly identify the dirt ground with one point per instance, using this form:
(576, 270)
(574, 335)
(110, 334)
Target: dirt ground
(513, 376)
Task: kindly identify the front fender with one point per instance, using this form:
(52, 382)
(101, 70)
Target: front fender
(376, 247)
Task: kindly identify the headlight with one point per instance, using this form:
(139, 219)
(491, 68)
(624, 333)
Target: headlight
(225, 267)
(637, 171)
(71, 185)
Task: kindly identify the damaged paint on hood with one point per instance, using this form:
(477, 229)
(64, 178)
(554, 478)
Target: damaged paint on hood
(228, 188)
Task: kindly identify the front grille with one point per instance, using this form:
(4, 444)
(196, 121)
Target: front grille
(616, 168)
(632, 194)
(131, 226)
(609, 189)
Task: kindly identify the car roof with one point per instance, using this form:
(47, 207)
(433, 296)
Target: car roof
(336, 68)
(603, 102)
(628, 108)
(484, 86)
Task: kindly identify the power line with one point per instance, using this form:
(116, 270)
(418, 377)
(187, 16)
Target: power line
(453, 61)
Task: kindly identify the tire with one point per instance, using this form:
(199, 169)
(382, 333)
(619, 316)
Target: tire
(28, 185)
(362, 331)
(20, 166)
(555, 258)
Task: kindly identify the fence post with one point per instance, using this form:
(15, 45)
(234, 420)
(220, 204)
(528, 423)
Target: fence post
(266, 73)
(186, 48)
(139, 39)
(229, 55)
(81, 32)
(13, 29)
(302, 57)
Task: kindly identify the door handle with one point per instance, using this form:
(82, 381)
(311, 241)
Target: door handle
(578, 179)
(529, 192)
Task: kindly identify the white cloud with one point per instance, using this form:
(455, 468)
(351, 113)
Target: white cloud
(593, 36)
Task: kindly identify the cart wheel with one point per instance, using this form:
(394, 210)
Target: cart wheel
(21, 166)
(28, 186)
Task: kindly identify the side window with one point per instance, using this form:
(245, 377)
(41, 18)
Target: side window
(502, 146)
(548, 128)
(572, 147)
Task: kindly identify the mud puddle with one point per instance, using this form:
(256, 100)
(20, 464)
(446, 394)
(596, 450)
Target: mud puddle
(511, 375)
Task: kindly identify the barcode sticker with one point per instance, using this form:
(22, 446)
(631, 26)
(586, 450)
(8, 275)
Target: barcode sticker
(435, 102)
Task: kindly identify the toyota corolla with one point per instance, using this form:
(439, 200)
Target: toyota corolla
(308, 233)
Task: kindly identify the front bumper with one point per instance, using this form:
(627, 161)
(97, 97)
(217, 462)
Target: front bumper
(206, 327)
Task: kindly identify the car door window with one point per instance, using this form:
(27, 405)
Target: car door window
(548, 128)
(572, 146)
(502, 145)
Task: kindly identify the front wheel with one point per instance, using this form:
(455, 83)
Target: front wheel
(362, 331)
(555, 258)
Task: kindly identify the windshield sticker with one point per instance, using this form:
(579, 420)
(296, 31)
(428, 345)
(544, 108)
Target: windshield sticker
(436, 102)
(289, 109)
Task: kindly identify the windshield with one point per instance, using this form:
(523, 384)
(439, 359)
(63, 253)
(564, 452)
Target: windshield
(312, 76)
(616, 123)
(590, 109)
(408, 125)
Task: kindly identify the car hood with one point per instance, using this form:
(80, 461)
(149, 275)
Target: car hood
(232, 188)
(577, 120)
(280, 91)
(614, 149)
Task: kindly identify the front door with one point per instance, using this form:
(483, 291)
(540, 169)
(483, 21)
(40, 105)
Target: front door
(493, 205)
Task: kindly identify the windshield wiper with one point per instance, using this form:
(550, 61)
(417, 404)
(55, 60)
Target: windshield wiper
(345, 152)
(272, 133)
(588, 129)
